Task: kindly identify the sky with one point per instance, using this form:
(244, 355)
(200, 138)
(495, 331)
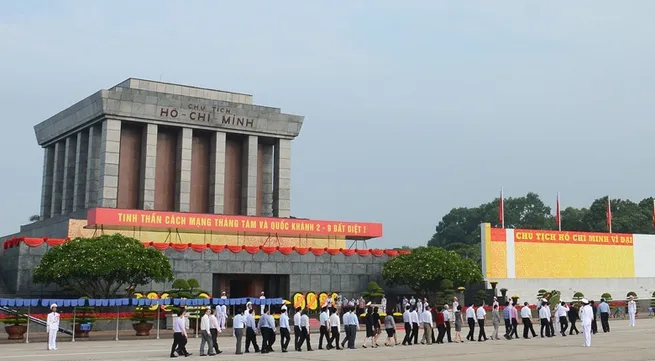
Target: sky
(411, 107)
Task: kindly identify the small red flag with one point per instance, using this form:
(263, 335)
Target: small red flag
(608, 213)
(501, 210)
(558, 216)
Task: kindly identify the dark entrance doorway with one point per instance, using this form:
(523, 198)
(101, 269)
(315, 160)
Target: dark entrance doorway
(250, 285)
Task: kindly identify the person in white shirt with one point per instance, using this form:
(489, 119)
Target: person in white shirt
(412, 302)
(560, 314)
(544, 317)
(304, 327)
(383, 304)
(267, 330)
(446, 318)
(470, 319)
(495, 303)
(52, 327)
(323, 329)
(455, 304)
(179, 335)
(238, 324)
(251, 331)
(407, 340)
(297, 331)
(481, 315)
(205, 334)
(426, 321)
(285, 335)
(419, 307)
(586, 316)
(414, 319)
(261, 303)
(526, 318)
(632, 310)
(215, 328)
(335, 328)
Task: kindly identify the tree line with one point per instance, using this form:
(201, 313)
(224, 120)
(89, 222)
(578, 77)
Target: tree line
(459, 230)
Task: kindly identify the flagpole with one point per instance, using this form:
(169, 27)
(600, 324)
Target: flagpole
(559, 215)
(609, 214)
(653, 212)
(502, 208)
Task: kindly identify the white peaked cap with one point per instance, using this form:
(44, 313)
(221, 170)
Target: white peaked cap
(369, 303)
(584, 300)
(53, 305)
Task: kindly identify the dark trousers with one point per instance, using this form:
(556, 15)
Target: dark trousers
(573, 328)
(527, 327)
(441, 329)
(508, 328)
(323, 333)
(552, 328)
(214, 333)
(351, 332)
(594, 326)
(179, 344)
(471, 335)
(605, 321)
(545, 326)
(285, 337)
(408, 334)
(335, 337)
(515, 328)
(563, 325)
(267, 339)
(251, 337)
(481, 334)
(304, 338)
(448, 331)
(415, 333)
(297, 335)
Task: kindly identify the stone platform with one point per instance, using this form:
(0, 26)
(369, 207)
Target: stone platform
(622, 344)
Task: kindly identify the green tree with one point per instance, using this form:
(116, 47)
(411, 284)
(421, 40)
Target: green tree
(459, 230)
(102, 267)
(425, 268)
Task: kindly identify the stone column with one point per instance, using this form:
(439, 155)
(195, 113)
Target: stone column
(58, 178)
(217, 174)
(46, 187)
(149, 161)
(69, 174)
(282, 179)
(81, 165)
(249, 180)
(267, 180)
(183, 171)
(93, 167)
(110, 145)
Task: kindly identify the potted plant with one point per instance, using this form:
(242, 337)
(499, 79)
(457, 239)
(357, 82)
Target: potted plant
(84, 319)
(15, 325)
(578, 296)
(373, 292)
(141, 319)
(503, 294)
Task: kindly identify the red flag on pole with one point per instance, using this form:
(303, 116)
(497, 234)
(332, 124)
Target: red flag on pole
(558, 216)
(501, 209)
(609, 214)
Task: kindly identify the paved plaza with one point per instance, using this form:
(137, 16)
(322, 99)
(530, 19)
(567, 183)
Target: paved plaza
(622, 344)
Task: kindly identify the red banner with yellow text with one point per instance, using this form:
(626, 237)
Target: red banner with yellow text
(590, 238)
(108, 217)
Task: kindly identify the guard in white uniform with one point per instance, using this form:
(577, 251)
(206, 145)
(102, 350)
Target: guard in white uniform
(261, 308)
(586, 316)
(632, 311)
(221, 311)
(53, 327)
(383, 304)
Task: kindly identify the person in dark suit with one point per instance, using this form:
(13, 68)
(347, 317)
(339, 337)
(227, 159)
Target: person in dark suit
(573, 316)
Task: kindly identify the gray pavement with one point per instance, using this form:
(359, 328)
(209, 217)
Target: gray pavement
(622, 344)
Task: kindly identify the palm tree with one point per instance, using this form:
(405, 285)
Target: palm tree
(35, 218)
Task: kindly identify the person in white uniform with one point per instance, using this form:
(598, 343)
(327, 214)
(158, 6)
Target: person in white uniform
(52, 327)
(383, 305)
(586, 316)
(261, 307)
(632, 310)
(222, 312)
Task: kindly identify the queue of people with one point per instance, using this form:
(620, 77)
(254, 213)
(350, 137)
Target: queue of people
(435, 323)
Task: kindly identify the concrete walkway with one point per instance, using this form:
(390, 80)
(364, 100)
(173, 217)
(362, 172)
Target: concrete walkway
(622, 344)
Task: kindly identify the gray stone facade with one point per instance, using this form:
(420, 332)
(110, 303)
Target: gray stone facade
(82, 146)
(308, 272)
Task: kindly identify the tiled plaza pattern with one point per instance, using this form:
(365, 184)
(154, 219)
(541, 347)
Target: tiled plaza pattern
(622, 344)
